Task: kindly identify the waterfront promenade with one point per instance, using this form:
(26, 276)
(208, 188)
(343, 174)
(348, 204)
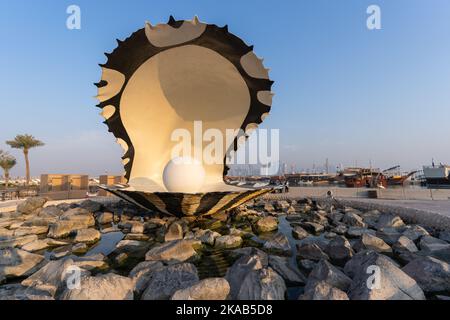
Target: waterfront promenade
(416, 208)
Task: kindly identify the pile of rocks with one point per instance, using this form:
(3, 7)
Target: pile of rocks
(327, 252)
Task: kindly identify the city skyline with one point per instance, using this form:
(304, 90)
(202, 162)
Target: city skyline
(342, 91)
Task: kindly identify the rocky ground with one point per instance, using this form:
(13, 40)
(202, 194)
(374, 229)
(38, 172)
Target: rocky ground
(264, 250)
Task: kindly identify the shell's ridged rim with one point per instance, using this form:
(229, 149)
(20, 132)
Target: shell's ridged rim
(135, 50)
(182, 204)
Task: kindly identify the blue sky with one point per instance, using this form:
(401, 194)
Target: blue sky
(342, 91)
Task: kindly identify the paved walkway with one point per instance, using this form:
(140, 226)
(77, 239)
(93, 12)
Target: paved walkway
(10, 205)
(437, 206)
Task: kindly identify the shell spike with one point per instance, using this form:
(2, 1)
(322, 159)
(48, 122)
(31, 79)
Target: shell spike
(171, 20)
(195, 20)
(149, 25)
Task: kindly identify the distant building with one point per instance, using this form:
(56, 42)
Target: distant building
(64, 186)
(110, 181)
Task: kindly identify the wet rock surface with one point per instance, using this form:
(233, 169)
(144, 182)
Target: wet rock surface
(266, 249)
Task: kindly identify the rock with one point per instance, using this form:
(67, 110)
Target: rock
(71, 220)
(51, 277)
(377, 277)
(441, 254)
(31, 204)
(137, 227)
(130, 245)
(110, 229)
(404, 245)
(61, 252)
(18, 292)
(356, 232)
(207, 289)
(91, 206)
(307, 265)
(290, 210)
(281, 205)
(87, 236)
(39, 221)
(268, 207)
(415, 232)
(339, 250)
(80, 215)
(445, 235)
(40, 244)
(172, 251)
(406, 257)
(18, 263)
(321, 241)
(23, 231)
(315, 217)
(90, 262)
(141, 274)
(6, 223)
(325, 271)
(250, 251)
(389, 235)
(299, 233)
(208, 236)
(262, 284)
(311, 252)
(235, 232)
(17, 241)
(102, 287)
(66, 206)
(174, 232)
(154, 223)
(137, 236)
(287, 272)
(323, 291)
(352, 219)
(6, 233)
(429, 243)
(105, 217)
(371, 218)
(340, 229)
(387, 220)
(228, 242)
(370, 242)
(165, 281)
(295, 218)
(335, 216)
(79, 248)
(330, 235)
(50, 211)
(279, 243)
(432, 275)
(121, 258)
(16, 224)
(313, 227)
(266, 224)
(237, 273)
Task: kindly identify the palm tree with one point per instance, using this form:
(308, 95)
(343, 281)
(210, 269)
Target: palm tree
(6, 163)
(25, 142)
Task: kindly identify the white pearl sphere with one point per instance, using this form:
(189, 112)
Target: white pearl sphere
(183, 174)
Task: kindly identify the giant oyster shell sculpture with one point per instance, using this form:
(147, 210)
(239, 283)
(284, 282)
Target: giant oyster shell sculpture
(166, 77)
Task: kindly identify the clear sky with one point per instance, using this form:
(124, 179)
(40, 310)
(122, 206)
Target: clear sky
(342, 91)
